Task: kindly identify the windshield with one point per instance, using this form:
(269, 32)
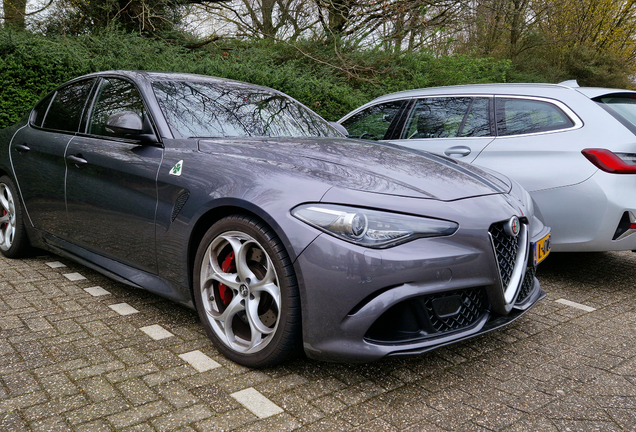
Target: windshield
(622, 107)
(206, 109)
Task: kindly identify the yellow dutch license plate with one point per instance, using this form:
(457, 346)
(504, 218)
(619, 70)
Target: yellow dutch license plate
(541, 249)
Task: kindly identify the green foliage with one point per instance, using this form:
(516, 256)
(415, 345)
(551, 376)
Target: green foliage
(330, 82)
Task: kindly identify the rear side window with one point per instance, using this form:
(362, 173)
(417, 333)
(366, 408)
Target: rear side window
(525, 116)
(374, 122)
(477, 122)
(622, 107)
(65, 112)
(449, 117)
(40, 110)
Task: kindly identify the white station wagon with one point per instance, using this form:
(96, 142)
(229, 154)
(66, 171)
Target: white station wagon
(573, 148)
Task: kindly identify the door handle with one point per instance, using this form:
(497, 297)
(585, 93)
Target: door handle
(22, 148)
(457, 150)
(77, 160)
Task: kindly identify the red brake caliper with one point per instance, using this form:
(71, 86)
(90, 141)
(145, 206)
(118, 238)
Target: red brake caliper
(227, 266)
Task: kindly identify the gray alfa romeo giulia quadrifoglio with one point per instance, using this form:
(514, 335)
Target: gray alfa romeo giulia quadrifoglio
(242, 203)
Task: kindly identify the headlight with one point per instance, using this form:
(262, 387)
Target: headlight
(371, 228)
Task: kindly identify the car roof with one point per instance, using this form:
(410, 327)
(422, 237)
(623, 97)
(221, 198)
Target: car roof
(150, 76)
(525, 89)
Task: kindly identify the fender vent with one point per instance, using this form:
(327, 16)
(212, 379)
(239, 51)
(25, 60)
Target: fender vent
(179, 203)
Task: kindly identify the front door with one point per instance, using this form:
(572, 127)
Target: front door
(459, 127)
(111, 187)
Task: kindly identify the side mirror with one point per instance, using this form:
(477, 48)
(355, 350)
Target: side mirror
(124, 123)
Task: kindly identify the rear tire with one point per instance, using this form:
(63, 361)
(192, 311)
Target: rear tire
(246, 293)
(14, 241)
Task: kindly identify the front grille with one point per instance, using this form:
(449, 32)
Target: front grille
(419, 318)
(473, 304)
(506, 248)
(526, 286)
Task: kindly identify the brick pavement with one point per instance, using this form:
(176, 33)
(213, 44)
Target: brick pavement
(69, 360)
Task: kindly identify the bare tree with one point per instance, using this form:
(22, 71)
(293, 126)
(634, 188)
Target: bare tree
(270, 19)
(15, 13)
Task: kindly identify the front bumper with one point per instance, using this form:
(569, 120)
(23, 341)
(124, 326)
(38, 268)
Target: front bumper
(361, 305)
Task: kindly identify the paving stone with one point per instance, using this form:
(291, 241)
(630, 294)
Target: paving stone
(11, 421)
(302, 410)
(199, 361)
(74, 276)
(227, 421)
(131, 356)
(168, 375)
(135, 371)
(176, 394)
(179, 419)
(51, 424)
(98, 389)
(96, 411)
(156, 332)
(37, 324)
(20, 383)
(96, 291)
(258, 404)
(138, 414)
(23, 401)
(98, 369)
(123, 309)
(137, 392)
(94, 426)
(215, 398)
(55, 406)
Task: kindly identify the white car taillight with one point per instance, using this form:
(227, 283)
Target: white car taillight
(615, 163)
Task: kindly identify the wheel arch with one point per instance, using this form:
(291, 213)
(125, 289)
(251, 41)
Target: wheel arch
(226, 208)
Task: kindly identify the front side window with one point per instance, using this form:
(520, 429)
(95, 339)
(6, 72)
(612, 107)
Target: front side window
(524, 116)
(214, 110)
(374, 122)
(448, 117)
(66, 109)
(115, 96)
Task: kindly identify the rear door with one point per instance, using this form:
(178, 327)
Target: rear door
(111, 183)
(37, 154)
(538, 143)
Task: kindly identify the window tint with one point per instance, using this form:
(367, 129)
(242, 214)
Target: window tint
(37, 116)
(206, 109)
(477, 122)
(114, 96)
(523, 116)
(439, 118)
(65, 112)
(373, 122)
(622, 107)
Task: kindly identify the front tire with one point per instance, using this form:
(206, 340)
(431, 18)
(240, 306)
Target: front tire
(14, 242)
(246, 293)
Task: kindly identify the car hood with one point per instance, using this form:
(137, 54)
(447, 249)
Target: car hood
(362, 165)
